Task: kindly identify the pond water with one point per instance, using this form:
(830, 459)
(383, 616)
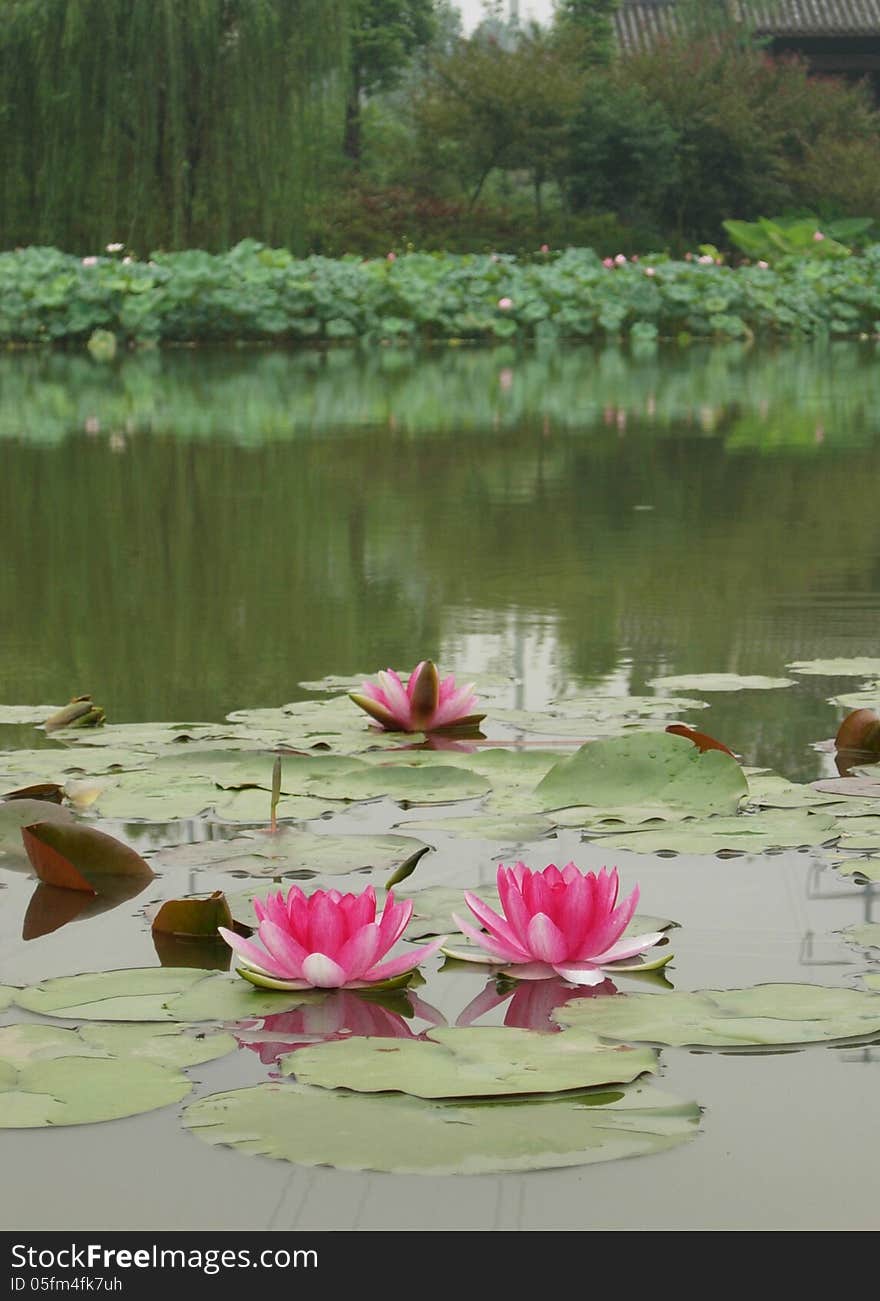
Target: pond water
(190, 533)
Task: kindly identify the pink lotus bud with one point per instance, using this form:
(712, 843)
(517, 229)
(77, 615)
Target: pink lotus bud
(115, 248)
(649, 271)
(126, 261)
(634, 258)
(90, 261)
(545, 248)
(608, 262)
(620, 259)
(706, 260)
(505, 304)
(688, 257)
(391, 257)
(765, 266)
(818, 235)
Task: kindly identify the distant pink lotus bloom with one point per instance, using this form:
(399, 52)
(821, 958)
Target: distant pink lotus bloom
(505, 304)
(326, 940)
(391, 257)
(115, 248)
(608, 262)
(425, 704)
(817, 235)
(545, 248)
(706, 260)
(620, 259)
(634, 258)
(90, 261)
(649, 271)
(565, 923)
(688, 257)
(763, 266)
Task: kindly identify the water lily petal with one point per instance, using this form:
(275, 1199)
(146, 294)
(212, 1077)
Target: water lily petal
(546, 941)
(395, 919)
(283, 948)
(495, 925)
(580, 973)
(326, 924)
(414, 678)
(406, 961)
(361, 950)
(607, 932)
(629, 947)
(396, 699)
(497, 950)
(515, 910)
(322, 972)
(378, 711)
(423, 692)
(254, 955)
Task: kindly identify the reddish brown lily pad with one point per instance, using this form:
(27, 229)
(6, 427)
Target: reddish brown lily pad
(80, 858)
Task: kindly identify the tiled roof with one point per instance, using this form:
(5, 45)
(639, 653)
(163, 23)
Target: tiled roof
(638, 23)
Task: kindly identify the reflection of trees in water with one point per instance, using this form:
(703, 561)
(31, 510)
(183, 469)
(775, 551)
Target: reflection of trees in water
(182, 577)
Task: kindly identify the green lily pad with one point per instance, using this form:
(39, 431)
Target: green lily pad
(253, 806)
(508, 829)
(867, 867)
(7, 996)
(438, 783)
(744, 833)
(866, 936)
(719, 682)
(292, 851)
(860, 833)
(153, 994)
(468, 1062)
(50, 1076)
(867, 697)
(407, 1135)
(141, 795)
(860, 666)
(764, 1015)
(32, 713)
(771, 791)
(650, 768)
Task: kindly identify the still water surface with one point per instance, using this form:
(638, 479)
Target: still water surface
(186, 534)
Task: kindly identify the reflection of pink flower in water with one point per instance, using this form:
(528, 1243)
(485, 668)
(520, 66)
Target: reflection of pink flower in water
(340, 1015)
(532, 1003)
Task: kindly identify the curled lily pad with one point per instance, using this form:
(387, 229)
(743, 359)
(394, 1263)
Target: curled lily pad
(649, 768)
(76, 857)
(407, 1135)
(469, 1062)
(745, 833)
(20, 813)
(80, 712)
(152, 994)
(719, 682)
(52, 1076)
(861, 666)
(764, 1015)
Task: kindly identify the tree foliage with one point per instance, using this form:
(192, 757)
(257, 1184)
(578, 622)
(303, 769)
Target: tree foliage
(166, 124)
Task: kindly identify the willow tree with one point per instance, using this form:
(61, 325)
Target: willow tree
(164, 124)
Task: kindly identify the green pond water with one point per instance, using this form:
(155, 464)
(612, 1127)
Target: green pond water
(190, 533)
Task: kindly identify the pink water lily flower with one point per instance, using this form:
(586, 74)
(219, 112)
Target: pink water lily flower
(425, 704)
(326, 940)
(566, 923)
(505, 304)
